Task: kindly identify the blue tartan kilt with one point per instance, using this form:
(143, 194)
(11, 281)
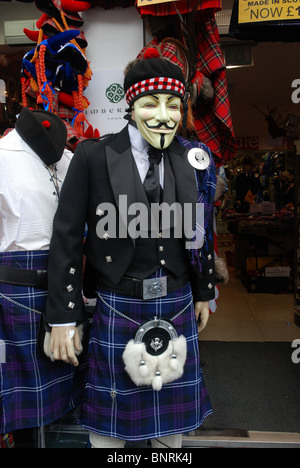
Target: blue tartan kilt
(33, 391)
(113, 405)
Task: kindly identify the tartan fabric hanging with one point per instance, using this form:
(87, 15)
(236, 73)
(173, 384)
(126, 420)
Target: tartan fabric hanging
(213, 122)
(214, 127)
(7, 441)
(184, 6)
(207, 181)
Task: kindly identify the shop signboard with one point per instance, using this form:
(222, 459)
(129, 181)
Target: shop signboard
(257, 11)
(108, 108)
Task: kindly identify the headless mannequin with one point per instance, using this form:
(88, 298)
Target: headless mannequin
(33, 164)
(32, 170)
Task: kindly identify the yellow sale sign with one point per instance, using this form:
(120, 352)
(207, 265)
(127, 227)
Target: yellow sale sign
(256, 11)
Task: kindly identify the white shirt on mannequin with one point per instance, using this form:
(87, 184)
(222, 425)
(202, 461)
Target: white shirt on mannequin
(28, 195)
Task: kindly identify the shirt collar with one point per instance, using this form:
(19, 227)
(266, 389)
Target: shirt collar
(137, 141)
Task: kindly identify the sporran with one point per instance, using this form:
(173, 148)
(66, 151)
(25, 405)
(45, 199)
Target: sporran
(156, 356)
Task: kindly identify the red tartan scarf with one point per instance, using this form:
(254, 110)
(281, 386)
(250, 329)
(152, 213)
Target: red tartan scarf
(213, 124)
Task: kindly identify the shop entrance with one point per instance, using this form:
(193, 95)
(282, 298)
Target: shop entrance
(249, 348)
(254, 323)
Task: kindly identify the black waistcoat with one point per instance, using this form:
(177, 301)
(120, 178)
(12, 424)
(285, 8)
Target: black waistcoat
(167, 248)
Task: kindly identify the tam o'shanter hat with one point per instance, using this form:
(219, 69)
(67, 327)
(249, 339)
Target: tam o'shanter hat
(59, 63)
(153, 74)
(54, 9)
(50, 29)
(44, 132)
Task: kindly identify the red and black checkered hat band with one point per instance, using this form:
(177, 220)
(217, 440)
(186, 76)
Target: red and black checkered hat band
(161, 84)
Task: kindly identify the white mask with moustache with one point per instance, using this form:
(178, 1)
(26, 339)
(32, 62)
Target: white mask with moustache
(157, 117)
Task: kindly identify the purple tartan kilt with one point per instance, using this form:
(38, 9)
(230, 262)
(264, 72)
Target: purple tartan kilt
(113, 405)
(33, 391)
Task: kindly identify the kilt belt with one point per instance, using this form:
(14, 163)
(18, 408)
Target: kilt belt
(150, 288)
(20, 277)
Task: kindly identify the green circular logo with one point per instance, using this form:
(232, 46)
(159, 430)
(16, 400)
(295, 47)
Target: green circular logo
(114, 93)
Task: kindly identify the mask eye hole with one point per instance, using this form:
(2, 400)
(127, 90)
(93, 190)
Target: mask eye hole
(173, 107)
(149, 105)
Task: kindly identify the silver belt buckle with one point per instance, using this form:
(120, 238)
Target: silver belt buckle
(155, 287)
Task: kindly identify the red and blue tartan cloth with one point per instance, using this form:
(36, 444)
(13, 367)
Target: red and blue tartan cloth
(206, 183)
(113, 405)
(213, 122)
(7, 441)
(206, 188)
(33, 391)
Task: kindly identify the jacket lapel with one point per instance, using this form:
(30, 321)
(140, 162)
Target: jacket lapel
(121, 175)
(120, 164)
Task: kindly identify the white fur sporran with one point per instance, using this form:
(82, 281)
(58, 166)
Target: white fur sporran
(156, 355)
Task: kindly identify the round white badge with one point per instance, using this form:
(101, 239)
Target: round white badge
(198, 158)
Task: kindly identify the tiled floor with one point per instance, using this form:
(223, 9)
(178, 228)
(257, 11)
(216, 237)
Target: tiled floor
(243, 316)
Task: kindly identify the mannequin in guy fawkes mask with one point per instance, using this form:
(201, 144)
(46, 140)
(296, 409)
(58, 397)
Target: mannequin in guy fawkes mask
(150, 288)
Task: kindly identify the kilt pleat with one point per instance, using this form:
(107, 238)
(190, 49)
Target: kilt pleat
(113, 405)
(33, 391)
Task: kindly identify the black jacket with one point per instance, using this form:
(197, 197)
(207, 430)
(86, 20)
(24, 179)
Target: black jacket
(100, 172)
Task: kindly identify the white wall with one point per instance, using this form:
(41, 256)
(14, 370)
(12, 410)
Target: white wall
(115, 37)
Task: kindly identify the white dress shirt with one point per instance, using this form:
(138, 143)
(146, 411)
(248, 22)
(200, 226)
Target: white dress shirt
(28, 195)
